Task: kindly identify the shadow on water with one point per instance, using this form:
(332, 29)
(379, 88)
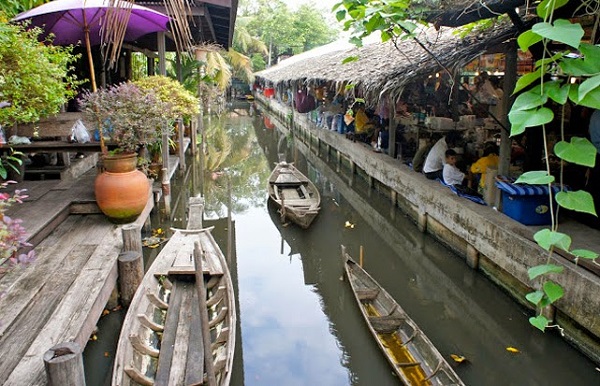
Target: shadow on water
(299, 324)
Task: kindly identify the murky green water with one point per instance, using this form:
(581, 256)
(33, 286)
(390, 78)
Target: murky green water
(299, 324)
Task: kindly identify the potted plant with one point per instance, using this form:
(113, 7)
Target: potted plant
(182, 103)
(35, 82)
(131, 119)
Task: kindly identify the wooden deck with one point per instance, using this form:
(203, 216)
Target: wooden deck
(60, 297)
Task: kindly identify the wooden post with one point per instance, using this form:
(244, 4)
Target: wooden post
(181, 131)
(472, 257)
(166, 191)
(64, 365)
(392, 129)
(361, 256)
(166, 180)
(131, 273)
(229, 222)
(132, 238)
(194, 137)
(422, 221)
(510, 80)
(161, 45)
(208, 362)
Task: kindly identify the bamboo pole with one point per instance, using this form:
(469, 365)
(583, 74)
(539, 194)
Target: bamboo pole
(208, 357)
(361, 255)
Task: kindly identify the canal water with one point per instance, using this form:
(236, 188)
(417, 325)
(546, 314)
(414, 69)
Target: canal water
(298, 321)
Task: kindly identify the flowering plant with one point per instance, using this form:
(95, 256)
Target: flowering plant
(130, 116)
(13, 236)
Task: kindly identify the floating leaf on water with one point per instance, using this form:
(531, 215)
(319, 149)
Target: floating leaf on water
(106, 354)
(512, 349)
(105, 312)
(458, 358)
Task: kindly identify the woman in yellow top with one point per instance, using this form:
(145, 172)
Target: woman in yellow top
(489, 159)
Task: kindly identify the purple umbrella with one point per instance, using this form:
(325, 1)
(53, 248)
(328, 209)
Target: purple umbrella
(73, 21)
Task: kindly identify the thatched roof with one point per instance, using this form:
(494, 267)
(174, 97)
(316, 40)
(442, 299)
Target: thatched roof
(383, 68)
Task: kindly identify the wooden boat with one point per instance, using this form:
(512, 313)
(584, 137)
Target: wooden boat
(296, 197)
(161, 341)
(413, 357)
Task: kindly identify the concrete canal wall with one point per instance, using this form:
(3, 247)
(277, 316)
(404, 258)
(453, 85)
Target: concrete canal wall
(489, 241)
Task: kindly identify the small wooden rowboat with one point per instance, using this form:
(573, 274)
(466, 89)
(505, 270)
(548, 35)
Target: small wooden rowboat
(161, 341)
(413, 357)
(296, 197)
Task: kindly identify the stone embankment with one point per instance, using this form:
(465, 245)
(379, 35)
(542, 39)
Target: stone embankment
(488, 240)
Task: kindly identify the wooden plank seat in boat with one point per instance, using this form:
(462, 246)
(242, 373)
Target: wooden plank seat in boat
(182, 338)
(367, 294)
(386, 324)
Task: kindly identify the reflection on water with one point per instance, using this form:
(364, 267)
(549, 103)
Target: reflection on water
(299, 322)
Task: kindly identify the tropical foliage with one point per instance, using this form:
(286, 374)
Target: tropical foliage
(282, 30)
(181, 102)
(550, 81)
(34, 78)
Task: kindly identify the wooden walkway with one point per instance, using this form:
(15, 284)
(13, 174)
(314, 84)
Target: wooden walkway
(60, 297)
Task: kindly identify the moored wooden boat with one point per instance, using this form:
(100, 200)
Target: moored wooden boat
(161, 338)
(296, 197)
(413, 357)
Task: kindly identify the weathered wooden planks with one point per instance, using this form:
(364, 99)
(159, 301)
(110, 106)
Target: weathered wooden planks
(72, 296)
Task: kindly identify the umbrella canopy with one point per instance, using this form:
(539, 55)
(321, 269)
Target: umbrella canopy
(68, 19)
(73, 21)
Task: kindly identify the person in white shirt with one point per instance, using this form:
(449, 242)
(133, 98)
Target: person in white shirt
(434, 163)
(452, 175)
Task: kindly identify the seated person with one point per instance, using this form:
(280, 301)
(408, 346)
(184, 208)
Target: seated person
(489, 159)
(434, 163)
(363, 124)
(452, 175)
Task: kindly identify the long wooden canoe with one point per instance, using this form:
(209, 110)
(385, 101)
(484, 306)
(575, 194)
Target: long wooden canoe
(413, 357)
(296, 197)
(161, 338)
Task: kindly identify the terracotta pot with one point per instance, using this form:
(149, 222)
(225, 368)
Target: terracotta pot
(121, 190)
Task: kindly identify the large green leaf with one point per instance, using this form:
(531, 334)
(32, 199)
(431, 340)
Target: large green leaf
(547, 239)
(546, 7)
(536, 177)
(522, 119)
(529, 100)
(527, 39)
(540, 322)
(580, 201)
(535, 297)
(539, 270)
(562, 31)
(553, 291)
(579, 151)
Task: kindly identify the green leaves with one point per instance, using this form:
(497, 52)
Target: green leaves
(562, 31)
(545, 269)
(553, 291)
(520, 120)
(548, 239)
(546, 7)
(580, 201)
(540, 322)
(539, 177)
(579, 151)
